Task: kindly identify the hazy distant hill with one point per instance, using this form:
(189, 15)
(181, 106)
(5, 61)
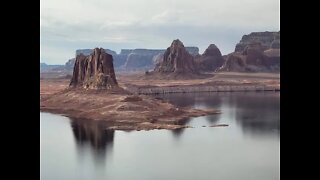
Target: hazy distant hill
(46, 67)
(132, 59)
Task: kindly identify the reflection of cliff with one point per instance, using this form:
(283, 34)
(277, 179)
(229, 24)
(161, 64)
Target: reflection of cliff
(258, 113)
(93, 134)
(177, 132)
(254, 112)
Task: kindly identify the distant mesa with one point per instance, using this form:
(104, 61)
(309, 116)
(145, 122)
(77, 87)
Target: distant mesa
(94, 71)
(87, 52)
(133, 59)
(141, 58)
(176, 59)
(266, 39)
(70, 64)
(210, 60)
(126, 60)
(256, 52)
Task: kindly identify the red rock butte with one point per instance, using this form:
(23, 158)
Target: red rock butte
(94, 71)
(176, 59)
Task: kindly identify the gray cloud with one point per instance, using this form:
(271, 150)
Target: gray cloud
(74, 24)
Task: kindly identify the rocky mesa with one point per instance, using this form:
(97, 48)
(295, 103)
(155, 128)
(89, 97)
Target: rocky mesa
(256, 52)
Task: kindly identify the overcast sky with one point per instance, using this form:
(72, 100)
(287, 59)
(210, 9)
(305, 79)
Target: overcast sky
(67, 25)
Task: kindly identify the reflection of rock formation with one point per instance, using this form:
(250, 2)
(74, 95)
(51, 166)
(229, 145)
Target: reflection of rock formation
(258, 113)
(213, 119)
(177, 132)
(93, 134)
(255, 112)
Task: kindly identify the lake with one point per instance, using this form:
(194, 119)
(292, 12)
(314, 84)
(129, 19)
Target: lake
(247, 149)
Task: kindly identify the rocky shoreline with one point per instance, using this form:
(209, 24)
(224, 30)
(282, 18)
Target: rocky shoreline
(121, 111)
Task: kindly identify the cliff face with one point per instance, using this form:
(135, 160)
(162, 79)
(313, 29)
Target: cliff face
(94, 71)
(256, 52)
(266, 39)
(210, 60)
(176, 59)
(141, 58)
(253, 59)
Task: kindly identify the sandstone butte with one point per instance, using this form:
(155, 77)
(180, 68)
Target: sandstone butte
(94, 94)
(175, 63)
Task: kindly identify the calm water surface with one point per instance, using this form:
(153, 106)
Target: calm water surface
(248, 149)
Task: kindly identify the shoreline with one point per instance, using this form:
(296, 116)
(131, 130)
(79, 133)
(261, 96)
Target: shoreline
(121, 111)
(132, 106)
(199, 88)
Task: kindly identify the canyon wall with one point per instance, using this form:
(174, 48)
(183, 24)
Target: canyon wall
(256, 52)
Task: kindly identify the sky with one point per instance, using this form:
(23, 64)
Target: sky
(67, 25)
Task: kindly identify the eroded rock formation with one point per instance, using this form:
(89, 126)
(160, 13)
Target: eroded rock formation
(266, 39)
(256, 52)
(94, 71)
(210, 60)
(253, 59)
(176, 59)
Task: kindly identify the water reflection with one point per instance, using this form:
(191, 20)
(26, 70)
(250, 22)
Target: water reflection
(258, 113)
(254, 112)
(213, 119)
(94, 136)
(177, 133)
(80, 149)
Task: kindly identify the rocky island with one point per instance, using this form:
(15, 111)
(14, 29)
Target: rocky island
(95, 94)
(94, 91)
